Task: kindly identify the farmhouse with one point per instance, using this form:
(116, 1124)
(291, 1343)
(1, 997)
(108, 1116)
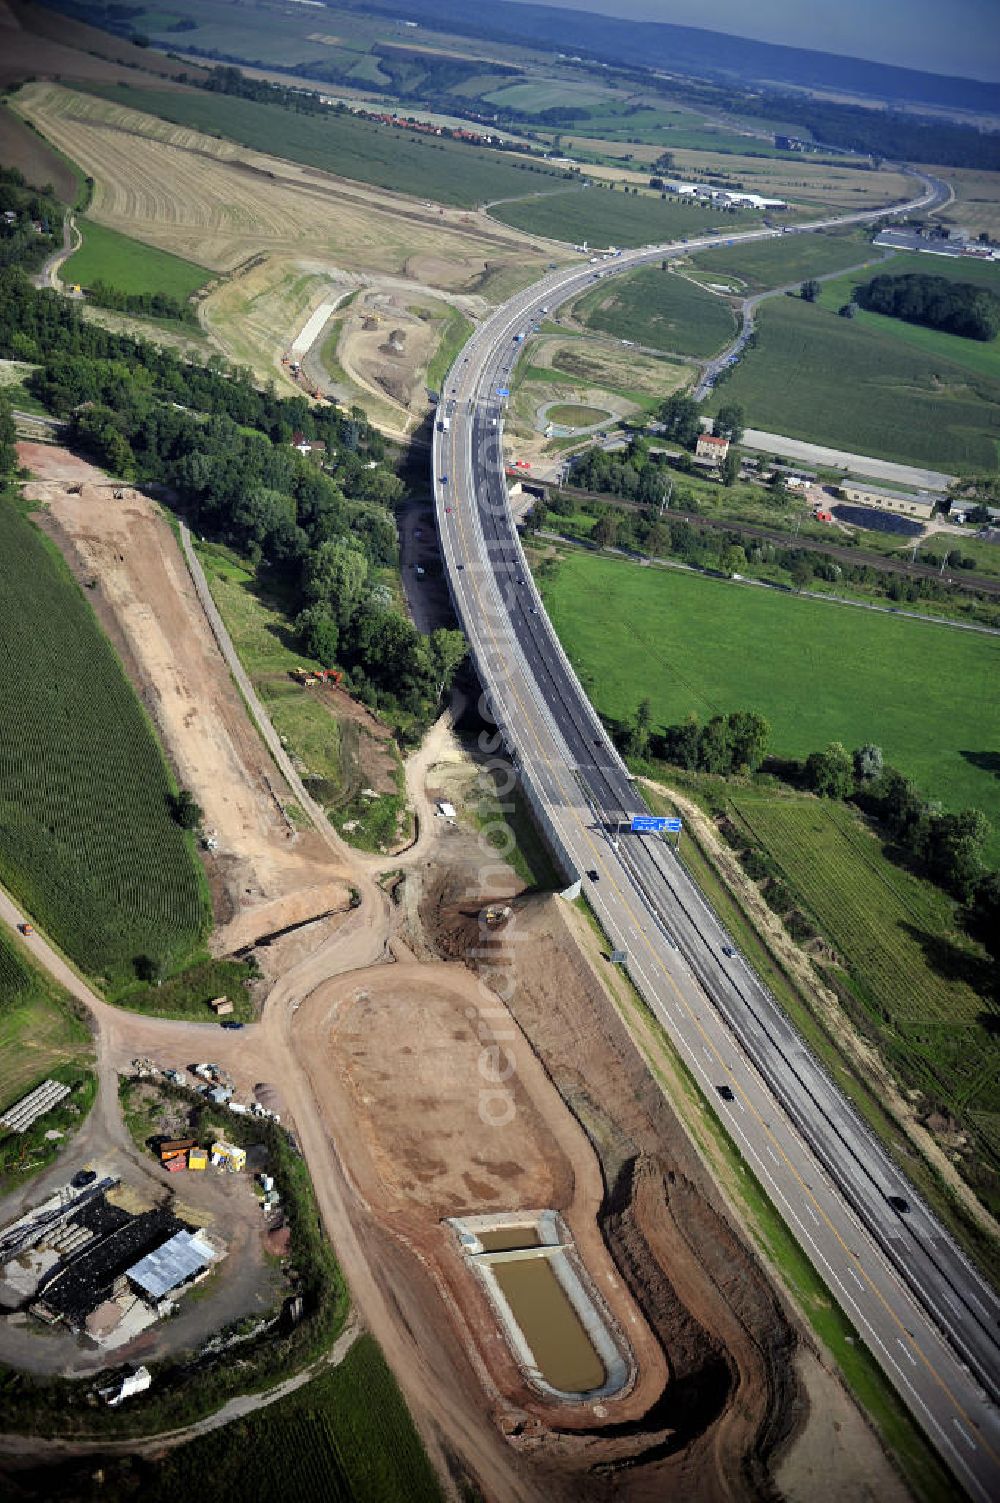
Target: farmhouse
(712, 447)
(917, 504)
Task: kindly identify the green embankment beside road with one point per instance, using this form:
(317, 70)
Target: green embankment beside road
(602, 217)
(660, 309)
(455, 330)
(847, 384)
(87, 842)
(398, 160)
(905, 973)
(129, 266)
(818, 671)
(43, 1036)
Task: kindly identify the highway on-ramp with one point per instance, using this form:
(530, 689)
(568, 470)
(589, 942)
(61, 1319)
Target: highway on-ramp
(927, 1316)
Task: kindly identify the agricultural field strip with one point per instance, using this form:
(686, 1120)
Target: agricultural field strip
(88, 844)
(865, 925)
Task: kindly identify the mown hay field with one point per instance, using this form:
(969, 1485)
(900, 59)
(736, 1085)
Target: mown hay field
(855, 386)
(907, 972)
(818, 671)
(217, 205)
(660, 309)
(399, 161)
(87, 842)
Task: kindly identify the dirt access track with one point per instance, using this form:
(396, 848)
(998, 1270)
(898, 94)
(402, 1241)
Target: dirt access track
(264, 875)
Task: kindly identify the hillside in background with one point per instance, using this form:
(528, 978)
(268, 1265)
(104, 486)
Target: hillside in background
(689, 49)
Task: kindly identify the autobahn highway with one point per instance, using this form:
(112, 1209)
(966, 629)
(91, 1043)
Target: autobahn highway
(929, 1319)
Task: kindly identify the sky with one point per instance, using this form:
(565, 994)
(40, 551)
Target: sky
(939, 36)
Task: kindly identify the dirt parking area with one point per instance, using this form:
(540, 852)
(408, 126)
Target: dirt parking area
(264, 873)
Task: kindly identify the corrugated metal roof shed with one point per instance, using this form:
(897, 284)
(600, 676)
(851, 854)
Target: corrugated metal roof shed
(176, 1261)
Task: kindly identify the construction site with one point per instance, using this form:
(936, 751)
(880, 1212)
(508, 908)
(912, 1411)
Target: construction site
(524, 1216)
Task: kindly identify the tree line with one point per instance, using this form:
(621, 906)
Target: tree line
(143, 304)
(945, 847)
(222, 450)
(956, 307)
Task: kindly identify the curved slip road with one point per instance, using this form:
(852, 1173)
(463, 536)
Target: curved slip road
(926, 1315)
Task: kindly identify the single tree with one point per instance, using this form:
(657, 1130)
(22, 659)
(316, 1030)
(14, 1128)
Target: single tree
(809, 290)
(868, 763)
(318, 633)
(730, 468)
(730, 421)
(605, 533)
(185, 810)
(830, 773)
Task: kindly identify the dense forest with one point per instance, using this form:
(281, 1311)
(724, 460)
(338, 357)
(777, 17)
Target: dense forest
(956, 307)
(30, 221)
(222, 449)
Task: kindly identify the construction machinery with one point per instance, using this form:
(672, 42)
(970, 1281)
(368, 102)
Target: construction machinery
(309, 676)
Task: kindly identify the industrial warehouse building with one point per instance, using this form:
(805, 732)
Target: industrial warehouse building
(919, 504)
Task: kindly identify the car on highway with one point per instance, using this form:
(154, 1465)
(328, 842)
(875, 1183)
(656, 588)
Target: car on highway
(593, 875)
(728, 950)
(898, 1204)
(726, 1092)
(233, 1027)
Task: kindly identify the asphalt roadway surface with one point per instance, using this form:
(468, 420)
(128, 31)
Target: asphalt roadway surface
(928, 1318)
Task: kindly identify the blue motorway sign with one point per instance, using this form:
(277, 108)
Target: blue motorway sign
(647, 824)
(652, 824)
(503, 391)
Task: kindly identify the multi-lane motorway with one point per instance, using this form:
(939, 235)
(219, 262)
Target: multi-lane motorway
(927, 1316)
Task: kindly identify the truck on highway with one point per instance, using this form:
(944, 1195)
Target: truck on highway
(444, 424)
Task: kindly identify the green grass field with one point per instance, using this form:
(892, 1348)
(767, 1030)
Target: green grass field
(128, 266)
(979, 357)
(660, 309)
(850, 385)
(42, 1036)
(604, 218)
(398, 160)
(819, 672)
(344, 1438)
(87, 843)
(775, 263)
(572, 415)
(894, 937)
